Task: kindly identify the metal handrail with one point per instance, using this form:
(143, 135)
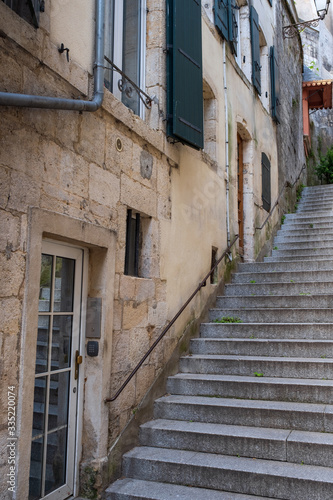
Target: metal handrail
(167, 328)
(287, 184)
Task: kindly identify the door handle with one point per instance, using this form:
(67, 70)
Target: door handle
(78, 361)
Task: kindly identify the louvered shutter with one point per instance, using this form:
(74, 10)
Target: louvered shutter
(266, 182)
(275, 86)
(34, 6)
(233, 26)
(221, 15)
(184, 71)
(255, 46)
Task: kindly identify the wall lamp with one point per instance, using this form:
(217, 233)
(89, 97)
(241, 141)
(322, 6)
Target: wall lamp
(294, 29)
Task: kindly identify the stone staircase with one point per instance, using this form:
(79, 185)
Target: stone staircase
(250, 415)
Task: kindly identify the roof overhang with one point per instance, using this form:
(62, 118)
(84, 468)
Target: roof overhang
(318, 94)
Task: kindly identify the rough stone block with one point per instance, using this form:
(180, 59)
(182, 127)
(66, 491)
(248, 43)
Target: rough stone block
(135, 195)
(24, 192)
(12, 271)
(10, 316)
(135, 315)
(10, 231)
(103, 186)
(91, 143)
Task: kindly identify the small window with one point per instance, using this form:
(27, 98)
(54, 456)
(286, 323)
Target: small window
(138, 258)
(125, 47)
(266, 182)
(27, 9)
(214, 275)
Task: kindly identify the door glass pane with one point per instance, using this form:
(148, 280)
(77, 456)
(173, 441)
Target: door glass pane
(131, 52)
(36, 464)
(39, 406)
(64, 285)
(55, 460)
(42, 344)
(45, 283)
(61, 342)
(58, 404)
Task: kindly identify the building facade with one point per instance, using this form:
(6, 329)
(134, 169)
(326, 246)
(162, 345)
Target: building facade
(139, 140)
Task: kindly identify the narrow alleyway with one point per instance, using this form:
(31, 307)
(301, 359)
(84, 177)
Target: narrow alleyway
(248, 416)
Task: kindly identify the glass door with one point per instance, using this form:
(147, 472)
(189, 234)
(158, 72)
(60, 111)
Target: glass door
(56, 373)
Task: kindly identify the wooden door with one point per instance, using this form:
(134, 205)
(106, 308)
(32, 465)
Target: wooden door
(240, 192)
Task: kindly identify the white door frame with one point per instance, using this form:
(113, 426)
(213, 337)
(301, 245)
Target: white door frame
(76, 386)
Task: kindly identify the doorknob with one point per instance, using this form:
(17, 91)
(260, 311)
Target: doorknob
(78, 361)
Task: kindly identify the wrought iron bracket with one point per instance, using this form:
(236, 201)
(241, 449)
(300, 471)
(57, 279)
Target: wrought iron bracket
(294, 29)
(125, 84)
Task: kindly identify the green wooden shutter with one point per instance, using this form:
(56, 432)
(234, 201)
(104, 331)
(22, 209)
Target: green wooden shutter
(255, 46)
(184, 72)
(233, 26)
(266, 182)
(275, 86)
(35, 8)
(221, 15)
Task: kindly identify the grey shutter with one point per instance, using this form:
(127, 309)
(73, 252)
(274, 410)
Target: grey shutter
(221, 16)
(184, 72)
(233, 27)
(35, 7)
(275, 86)
(255, 47)
(266, 182)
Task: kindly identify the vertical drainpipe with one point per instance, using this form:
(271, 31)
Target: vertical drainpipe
(226, 140)
(37, 101)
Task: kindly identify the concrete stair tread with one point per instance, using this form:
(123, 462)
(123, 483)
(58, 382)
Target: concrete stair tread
(255, 380)
(260, 433)
(136, 489)
(249, 324)
(274, 469)
(268, 359)
(239, 440)
(171, 399)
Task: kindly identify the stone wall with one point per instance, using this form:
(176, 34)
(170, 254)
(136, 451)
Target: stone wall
(289, 132)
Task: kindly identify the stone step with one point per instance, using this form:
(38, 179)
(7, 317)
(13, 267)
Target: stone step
(306, 232)
(297, 257)
(289, 238)
(271, 315)
(318, 218)
(273, 414)
(320, 331)
(304, 245)
(233, 440)
(136, 489)
(249, 366)
(291, 288)
(276, 301)
(313, 252)
(264, 388)
(294, 225)
(304, 265)
(302, 348)
(289, 276)
(314, 208)
(220, 472)
(283, 445)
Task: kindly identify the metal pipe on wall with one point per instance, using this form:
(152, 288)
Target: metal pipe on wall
(37, 101)
(226, 140)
